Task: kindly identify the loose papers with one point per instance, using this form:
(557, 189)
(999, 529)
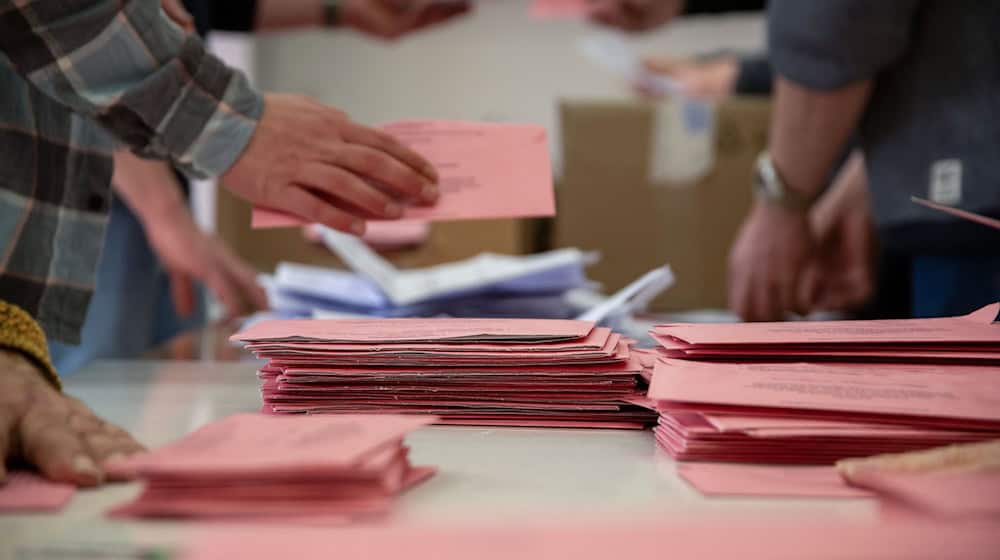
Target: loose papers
(466, 371)
(487, 170)
(24, 491)
(251, 465)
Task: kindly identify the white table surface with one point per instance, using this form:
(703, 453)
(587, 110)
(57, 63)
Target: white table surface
(486, 475)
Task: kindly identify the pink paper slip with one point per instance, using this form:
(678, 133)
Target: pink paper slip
(487, 170)
(456, 331)
(955, 392)
(976, 329)
(714, 479)
(958, 213)
(974, 495)
(28, 492)
(294, 444)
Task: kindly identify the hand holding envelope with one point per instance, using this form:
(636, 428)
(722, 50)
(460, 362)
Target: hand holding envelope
(487, 170)
(313, 162)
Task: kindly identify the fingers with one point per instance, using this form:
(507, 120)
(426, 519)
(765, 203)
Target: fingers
(58, 451)
(245, 277)
(8, 422)
(304, 204)
(384, 142)
(182, 292)
(806, 291)
(349, 188)
(664, 65)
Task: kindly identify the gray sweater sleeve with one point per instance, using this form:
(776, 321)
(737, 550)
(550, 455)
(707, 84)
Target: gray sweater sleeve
(828, 44)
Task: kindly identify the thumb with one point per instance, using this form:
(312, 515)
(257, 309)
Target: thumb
(182, 292)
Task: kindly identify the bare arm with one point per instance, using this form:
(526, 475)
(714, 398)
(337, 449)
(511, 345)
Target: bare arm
(810, 129)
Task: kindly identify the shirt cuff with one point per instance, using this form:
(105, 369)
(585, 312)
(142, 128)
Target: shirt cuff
(226, 134)
(20, 333)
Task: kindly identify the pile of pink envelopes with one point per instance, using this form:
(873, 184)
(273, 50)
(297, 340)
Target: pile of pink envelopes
(499, 372)
(747, 398)
(259, 466)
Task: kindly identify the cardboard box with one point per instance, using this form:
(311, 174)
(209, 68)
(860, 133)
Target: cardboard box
(608, 201)
(448, 242)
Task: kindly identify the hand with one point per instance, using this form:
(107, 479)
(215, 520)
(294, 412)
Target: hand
(767, 262)
(966, 457)
(151, 189)
(51, 431)
(842, 224)
(708, 80)
(311, 161)
(635, 15)
(390, 19)
(176, 12)
(189, 254)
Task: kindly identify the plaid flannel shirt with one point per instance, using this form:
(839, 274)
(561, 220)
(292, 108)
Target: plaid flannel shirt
(71, 71)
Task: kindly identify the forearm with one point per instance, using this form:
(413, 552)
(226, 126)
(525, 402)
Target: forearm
(149, 188)
(810, 130)
(275, 15)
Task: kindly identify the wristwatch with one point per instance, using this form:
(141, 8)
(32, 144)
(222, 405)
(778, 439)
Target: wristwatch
(769, 187)
(331, 13)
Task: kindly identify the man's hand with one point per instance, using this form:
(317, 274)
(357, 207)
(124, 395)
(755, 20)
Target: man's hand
(152, 191)
(312, 161)
(189, 254)
(842, 223)
(635, 15)
(53, 432)
(390, 19)
(708, 80)
(766, 265)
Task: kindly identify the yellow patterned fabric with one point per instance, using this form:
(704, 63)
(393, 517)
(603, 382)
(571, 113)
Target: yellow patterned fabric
(19, 332)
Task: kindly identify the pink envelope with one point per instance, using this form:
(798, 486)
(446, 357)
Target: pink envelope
(300, 444)
(487, 170)
(976, 328)
(597, 339)
(195, 506)
(390, 331)
(958, 212)
(941, 391)
(26, 491)
(714, 479)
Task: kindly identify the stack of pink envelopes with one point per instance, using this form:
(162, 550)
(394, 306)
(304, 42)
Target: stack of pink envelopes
(254, 465)
(757, 404)
(973, 338)
(498, 372)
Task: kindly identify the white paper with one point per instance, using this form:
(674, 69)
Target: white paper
(406, 287)
(632, 298)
